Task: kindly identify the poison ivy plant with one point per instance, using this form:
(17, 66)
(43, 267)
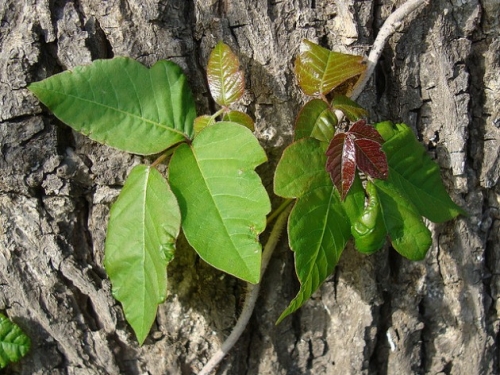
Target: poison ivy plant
(320, 170)
(367, 183)
(14, 344)
(212, 191)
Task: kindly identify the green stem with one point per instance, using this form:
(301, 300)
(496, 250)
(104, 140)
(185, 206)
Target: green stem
(278, 211)
(218, 113)
(163, 156)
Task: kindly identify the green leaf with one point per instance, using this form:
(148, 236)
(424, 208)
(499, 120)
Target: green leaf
(226, 81)
(143, 225)
(416, 175)
(123, 104)
(301, 169)
(408, 233)
(369, 230)
(14, 344)
(239, 118)
(315, 120)
(352, 110)
(319, 224)
(319, 70)
(318, 230)
(222, 199)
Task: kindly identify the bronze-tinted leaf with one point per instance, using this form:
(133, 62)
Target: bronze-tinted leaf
(226, 81)
(319, 70)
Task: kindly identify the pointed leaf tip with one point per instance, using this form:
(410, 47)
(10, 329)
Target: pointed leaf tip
(222, 199)
(144, 223)
(119, 101)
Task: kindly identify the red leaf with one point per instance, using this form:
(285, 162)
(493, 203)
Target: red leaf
(361, 147)
(371, 159)
(341, 162)
(360, 130)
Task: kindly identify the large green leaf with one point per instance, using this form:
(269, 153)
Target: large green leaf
(318, 230)
(408, 233)
(123, 104)
(222, 199)
(319, 224)
(14, 344)
(415, 174)
(143, 225)
(226, 81)
(319, 70)
(316, 120)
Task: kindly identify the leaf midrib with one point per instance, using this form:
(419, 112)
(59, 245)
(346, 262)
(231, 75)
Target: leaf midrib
(136, 117)
(144, 267)
(249, 272)
(322, 232)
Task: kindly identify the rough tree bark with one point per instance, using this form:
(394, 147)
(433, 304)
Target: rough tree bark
(376, 315)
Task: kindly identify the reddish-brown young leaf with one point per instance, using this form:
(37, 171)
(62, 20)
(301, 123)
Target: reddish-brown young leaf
(370, 158)
(360, 130)
(361, 147)
(341, 162)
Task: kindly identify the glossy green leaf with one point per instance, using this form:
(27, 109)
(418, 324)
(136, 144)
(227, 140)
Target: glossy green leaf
(405, 227)
(14, 344)
(201, 122)
(222, 199)
(416, 175)
(226, 81)
(239, 118)
(369, 230)
(315, 120)
(319, 224)
(143, 225)
(352, 110)
(318, 230)
(123, 104)
(319, 70)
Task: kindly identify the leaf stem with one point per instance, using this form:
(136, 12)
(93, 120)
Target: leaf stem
(278, 211)
(252, 293)
(218, 113)
(163, 156)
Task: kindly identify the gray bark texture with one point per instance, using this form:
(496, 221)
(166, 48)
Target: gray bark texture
(378, 314)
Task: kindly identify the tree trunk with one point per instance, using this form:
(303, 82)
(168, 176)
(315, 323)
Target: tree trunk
(379, 314)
